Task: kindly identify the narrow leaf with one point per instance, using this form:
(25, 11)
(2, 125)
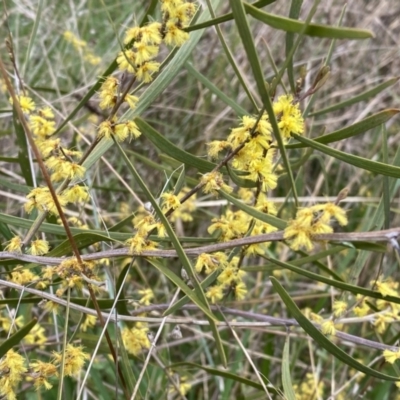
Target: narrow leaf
(291, 25)
(223, 374)
(353, 130)
(322, 340)
(356, 99)
(286, 379)
(16, 338)
(373, 166)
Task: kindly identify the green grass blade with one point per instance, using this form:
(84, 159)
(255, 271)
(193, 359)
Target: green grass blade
(223, 374)
(177, 281)
(372, 166)
(294, 13)
(291, 25)
(353, 130)
(322, 340)
(356, 99)
(201, 300)
(225, 17)
(286, 379)
(23, 152)
(16, 338)
(171, 150)
(331, 282)
(269, 219)
(221, 95)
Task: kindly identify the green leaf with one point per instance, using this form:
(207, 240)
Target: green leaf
(269, 219)
(15, 340)
(213, 89)
(294, 13)
(23, 154)
(223, 374)
(200, 298)
(177, 281)
(359, 127)
(292, 25)
(321, 339)
(184, 300)
(356, 99)
(373, 166)
(286, 379)
(170, 149)
(225, 17)
(331, 282)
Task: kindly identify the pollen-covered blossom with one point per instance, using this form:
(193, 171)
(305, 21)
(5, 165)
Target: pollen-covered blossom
(216, 146)
(139, 243)
(15, 245)
(41, 372)
(215, 293)
(76, 194)
(74, 359)
(136, 339)
(328, 327)
(231, 276)
(391, 355)
(310, 221)
(214, 181)
(41, 126)
(169, 201)
(23, 276)
(339, 307)
(39, 247)
(386, 288)
(310, 389)
(89, 322)
(12, 369)
(230, 226)
(147, 296)
(125, 130)
(41, 199)
(289, 116)
(207, 262)
(185, 211)
(26, 103)
(174, 36)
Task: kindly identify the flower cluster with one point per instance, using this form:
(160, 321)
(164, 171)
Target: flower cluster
(254, 139)
(138, 59)
(230, 276)
(136, 339)
(14, 368)
(311, 221)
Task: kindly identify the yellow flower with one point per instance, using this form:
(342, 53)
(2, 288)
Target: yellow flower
(391, 356)
(328, 327)
(11, 371)
(144, 71)
(174, 36)
(15, 245)
(147, 296)
(39, 247)
(289, 116)
(74, 358)
(240, 291)
(339, 307)
(136, 340)
(126, 129)
(26, 103)
(170, 201)
(215, 293)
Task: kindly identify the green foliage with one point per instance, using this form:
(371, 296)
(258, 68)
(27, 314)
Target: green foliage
(199, 172)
